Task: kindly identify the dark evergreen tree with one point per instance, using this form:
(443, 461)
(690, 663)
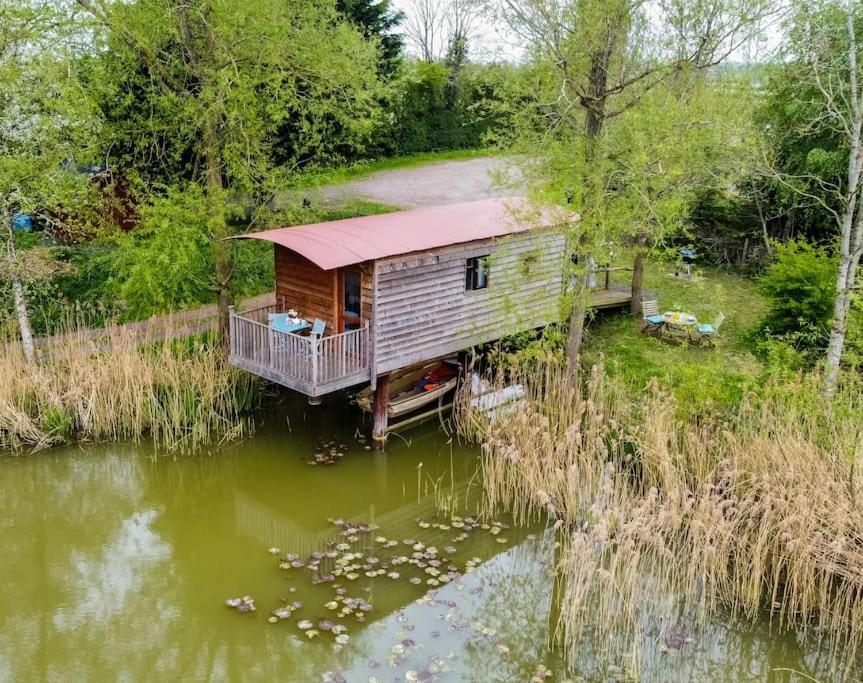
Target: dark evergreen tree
(377, 19)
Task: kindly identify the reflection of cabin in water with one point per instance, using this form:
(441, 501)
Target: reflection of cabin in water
(397, 289)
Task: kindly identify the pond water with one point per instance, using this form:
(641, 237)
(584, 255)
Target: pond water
(116, 565)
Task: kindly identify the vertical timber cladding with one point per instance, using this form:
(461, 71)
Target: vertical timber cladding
(302, 285)
(423, 309)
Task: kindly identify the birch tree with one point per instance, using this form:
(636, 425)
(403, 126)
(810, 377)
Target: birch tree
(45, 125)
(825, 44)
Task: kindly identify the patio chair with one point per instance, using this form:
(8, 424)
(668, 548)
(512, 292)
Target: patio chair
(653, 322)
(318, 328)
(709, 331)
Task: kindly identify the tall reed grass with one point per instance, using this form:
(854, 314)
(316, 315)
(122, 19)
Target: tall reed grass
(664, 523)
(119, 385)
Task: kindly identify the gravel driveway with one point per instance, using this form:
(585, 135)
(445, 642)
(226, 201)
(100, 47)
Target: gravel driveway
(442, 182)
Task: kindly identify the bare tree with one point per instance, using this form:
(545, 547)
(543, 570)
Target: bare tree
(424, 27)
(437, 27)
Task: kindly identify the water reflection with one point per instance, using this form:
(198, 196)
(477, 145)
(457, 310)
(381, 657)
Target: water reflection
(116, 565)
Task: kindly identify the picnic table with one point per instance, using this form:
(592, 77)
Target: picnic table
(284, 323)
(680, 321)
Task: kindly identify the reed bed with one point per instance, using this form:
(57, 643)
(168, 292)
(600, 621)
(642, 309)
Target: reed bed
(180, 392)
(664, 523)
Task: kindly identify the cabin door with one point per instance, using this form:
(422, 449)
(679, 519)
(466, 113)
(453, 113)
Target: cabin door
(350, 299)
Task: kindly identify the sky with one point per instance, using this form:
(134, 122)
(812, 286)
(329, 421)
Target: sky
(492, 40)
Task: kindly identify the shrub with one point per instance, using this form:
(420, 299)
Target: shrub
(800, 287)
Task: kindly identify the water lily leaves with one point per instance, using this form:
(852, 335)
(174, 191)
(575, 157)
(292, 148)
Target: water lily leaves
(304, 624)
(282, 613)
(332, 604)
(312, 633)
(274, 550)
(243, 604)
(342, 639)
(393, 575)
(325, 625)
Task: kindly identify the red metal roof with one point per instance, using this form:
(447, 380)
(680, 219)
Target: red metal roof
(352, 240)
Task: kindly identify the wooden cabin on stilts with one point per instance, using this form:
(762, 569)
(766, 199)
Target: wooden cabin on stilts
(361, 298)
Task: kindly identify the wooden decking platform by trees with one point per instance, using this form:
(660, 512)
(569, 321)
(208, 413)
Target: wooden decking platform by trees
(616, 296)
(610, 295)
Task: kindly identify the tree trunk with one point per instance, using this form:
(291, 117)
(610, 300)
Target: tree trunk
(23, 320)
(575, 332)
(24, 328)
(594, 120)
(637, 275)
(851, 225)
(217, 225)
(839, 327)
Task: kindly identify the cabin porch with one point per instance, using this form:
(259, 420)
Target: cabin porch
(308, 364)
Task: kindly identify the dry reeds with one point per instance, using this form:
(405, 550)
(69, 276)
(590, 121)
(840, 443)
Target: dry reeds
(178, 391)
(664, 523)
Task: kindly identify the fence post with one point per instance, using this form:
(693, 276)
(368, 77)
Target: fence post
(232, 332)
(313, 340)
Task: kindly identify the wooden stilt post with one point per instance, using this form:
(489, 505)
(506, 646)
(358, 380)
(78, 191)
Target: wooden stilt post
(379, 419)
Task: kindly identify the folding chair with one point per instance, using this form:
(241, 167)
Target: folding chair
(653, 322)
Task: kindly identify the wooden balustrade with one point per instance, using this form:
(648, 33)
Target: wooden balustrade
(305, 363)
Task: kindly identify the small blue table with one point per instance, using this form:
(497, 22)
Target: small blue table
(281, 324)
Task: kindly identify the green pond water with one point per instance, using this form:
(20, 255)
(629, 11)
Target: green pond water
(115, 564)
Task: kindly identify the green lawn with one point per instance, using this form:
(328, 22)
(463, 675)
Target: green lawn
(360, 169)
(709, 375)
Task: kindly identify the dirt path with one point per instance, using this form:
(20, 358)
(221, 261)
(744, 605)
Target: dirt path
(442, 182)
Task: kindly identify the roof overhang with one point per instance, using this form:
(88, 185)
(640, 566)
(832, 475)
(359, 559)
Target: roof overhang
(345, 242)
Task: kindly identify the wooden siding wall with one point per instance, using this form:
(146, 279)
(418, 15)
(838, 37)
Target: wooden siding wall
(314, 292)
(367, 294)
(302, 285)
(423, 310)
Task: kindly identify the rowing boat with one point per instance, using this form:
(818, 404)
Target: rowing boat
(405, 394)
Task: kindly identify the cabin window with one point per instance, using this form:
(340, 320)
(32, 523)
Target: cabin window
(476, 274)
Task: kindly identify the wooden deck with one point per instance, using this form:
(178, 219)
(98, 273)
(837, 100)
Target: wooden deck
(616, 296)
(306, 364)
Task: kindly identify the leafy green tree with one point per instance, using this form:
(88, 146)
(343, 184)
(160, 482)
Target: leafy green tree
(208, 84)
(45, 123)
(595, 61)
(824, 46)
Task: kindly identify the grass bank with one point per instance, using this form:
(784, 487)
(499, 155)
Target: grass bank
(664, 522)
(181, 393)
(706, 378)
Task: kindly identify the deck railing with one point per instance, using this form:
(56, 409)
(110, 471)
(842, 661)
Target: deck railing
(309, 364)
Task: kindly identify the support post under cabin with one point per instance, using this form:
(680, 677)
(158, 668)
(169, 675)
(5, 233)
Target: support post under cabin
(379, 412)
